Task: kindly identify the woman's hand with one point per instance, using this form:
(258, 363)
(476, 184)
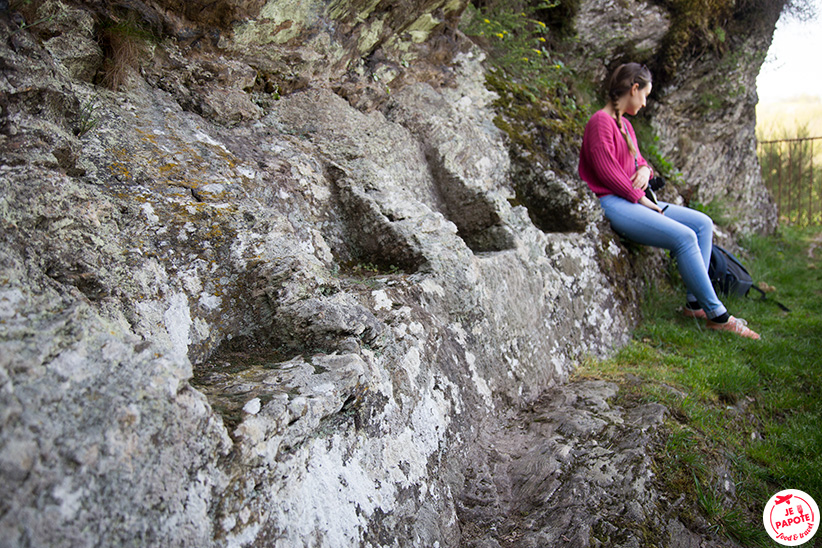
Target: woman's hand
(649, 204)
(641, 178)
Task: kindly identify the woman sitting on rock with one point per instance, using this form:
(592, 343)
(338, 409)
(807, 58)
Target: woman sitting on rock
(617, 173)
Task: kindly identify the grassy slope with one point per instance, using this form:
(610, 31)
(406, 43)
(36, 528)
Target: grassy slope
(752, 407)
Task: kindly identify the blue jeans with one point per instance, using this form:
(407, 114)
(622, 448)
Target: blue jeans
(686, 233)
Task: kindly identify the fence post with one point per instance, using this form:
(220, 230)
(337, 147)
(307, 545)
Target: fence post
(790, 179)
(781, 147)
(810, 190)
(794, 175)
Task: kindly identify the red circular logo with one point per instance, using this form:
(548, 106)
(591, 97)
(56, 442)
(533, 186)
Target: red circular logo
(791, 517)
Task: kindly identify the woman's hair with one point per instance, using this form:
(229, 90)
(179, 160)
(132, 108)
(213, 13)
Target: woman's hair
(621, 82)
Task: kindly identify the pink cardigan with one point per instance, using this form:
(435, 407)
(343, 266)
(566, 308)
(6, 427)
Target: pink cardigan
(605, 161)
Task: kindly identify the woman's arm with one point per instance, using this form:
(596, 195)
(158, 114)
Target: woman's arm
(649, 204)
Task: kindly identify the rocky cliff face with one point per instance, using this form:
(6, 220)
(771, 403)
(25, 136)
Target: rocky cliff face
(706, 122)
(275, 289)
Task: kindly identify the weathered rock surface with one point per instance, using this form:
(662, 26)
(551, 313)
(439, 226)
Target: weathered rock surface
(573, 469)
(244, 304)
(707, 125)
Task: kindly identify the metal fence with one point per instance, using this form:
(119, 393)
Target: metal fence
(793, 175)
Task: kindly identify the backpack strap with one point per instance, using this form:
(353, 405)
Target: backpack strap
(730, 256)
(764, 297)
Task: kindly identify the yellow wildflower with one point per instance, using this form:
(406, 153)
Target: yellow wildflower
(487, 21)
(541, 39)
(538, 51)
(501, 35)
(540, 23)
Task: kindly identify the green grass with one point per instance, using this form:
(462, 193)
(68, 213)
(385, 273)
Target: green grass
(752, 408)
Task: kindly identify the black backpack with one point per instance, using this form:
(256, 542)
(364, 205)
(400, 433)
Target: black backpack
(727, 274)
(729, 277)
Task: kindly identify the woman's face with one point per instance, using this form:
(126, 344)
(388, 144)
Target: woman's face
(637, 98)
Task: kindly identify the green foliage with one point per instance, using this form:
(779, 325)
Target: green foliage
(559, 17)
(717, 210)
(709, 101)
(649, 145)
(87, 118)
(532, 117)
(370, 269)
(751, 407)
(695, 25)
(517, 43)
(539, 95)
(29, 26)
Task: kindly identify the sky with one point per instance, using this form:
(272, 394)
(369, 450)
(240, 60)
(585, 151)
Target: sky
(792, 67)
